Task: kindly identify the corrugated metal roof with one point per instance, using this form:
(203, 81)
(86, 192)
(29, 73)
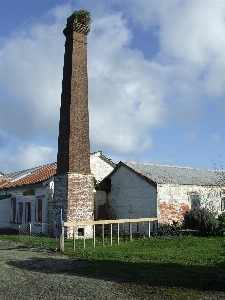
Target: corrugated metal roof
(178, 175)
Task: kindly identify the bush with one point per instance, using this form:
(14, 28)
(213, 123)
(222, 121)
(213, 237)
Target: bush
(201, 219)
(221, 224)
(169, 230)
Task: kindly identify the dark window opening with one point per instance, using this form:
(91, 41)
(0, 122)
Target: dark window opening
(28, 213)
(80, 231)
(195, 201)
(20, 212)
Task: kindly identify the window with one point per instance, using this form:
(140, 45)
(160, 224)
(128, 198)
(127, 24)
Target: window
(195, 200)
(223, 202)
(28, 212)
(39, 210)
(20, 212)
(13, 209)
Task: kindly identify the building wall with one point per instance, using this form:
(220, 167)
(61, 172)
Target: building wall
(5, 213)
(174, 200)
(131, 196)
(40, 192)
(99, 166)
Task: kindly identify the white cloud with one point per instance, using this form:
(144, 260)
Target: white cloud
(129, 96)
(191, 38)
(31, 76)
(124, 101)
(27, 156)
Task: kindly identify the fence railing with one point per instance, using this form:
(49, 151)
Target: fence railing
(43, 235)
(114, 231)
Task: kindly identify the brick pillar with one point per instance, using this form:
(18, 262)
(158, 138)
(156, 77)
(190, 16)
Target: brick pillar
(74, 188)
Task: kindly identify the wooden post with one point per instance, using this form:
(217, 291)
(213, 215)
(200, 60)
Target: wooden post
(94, 235)
(19, 236)
(130, 228)
(118, 233)
(74, 243)
(149, 228)
(111, 234)
(137, 229)
(61, 233)
(84, 237)
(103, 235)
(29, 233)
(41, 234)
(61, 239)
(143, 230)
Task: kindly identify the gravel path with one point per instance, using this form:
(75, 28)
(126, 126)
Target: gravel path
(32, 274)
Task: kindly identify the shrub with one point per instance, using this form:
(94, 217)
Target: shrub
(201, 219)
(221, 224)
(83, 17)
(169, 230)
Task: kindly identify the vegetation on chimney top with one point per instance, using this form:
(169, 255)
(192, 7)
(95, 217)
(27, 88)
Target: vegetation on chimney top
(83, 17)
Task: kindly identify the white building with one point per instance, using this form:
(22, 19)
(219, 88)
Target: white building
(136, 190)
(27, 196)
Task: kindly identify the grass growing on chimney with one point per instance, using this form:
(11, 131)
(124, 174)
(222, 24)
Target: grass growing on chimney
(175, 267)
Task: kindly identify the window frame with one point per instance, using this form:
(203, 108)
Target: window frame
(28, 212)
(192, 205)
(38, 211)
(222, 202)
(13, 210)
(20, 213)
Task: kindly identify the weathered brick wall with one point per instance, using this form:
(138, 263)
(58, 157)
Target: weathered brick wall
(174, 200)
(74, 186)
(73, 142)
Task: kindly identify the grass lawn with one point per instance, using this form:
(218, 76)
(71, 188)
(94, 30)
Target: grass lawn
(179, 267)
(185, 267)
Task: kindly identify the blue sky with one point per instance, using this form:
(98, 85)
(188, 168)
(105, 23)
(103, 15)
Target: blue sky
(156, 80)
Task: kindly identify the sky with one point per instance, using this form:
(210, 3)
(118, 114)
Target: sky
(156, 81)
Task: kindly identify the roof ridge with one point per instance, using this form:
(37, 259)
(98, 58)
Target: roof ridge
(180, 167)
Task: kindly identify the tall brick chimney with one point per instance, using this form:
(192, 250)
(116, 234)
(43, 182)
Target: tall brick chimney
(74, 187)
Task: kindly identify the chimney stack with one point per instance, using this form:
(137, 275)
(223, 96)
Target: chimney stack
(74, 187)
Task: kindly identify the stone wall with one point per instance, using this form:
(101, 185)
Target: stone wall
(174, 200)
(74, 194)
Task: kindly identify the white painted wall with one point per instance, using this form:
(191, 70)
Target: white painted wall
(17, 192)
(100, 167)
(5, 212)
(131, 196)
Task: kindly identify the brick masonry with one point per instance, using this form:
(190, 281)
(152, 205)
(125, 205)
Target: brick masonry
(74, 194)
(74, 184)
(73, 142)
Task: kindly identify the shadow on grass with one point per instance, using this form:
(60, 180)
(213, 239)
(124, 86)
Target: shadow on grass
(200, 278)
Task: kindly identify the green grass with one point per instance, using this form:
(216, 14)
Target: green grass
(178, 266)
(186, 267)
